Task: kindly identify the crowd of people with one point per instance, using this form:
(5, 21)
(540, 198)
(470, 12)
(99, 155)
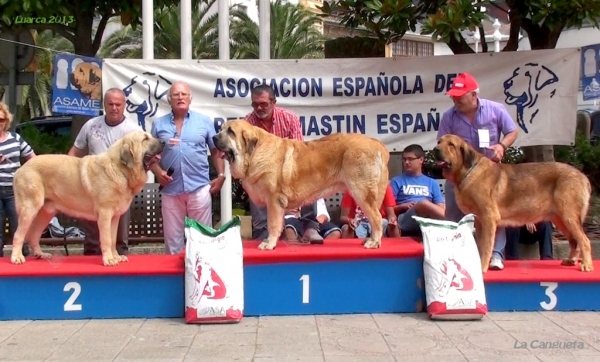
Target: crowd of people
(186, 186)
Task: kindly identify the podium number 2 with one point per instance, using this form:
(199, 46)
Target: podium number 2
(305, 279)
(550, 287)
(70, 305)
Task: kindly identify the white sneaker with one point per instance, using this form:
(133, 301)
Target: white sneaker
(496, 263)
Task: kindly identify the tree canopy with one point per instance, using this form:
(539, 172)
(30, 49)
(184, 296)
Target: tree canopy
(74, 20)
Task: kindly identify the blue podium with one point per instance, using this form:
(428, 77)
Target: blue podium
(542, 285)
(339, 277)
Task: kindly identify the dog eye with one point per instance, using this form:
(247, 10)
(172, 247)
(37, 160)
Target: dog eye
(230, 131)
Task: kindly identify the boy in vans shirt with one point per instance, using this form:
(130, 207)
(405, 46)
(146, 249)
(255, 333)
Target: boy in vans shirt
(356, 224)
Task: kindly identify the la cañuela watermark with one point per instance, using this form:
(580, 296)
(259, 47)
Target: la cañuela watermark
(537, 344)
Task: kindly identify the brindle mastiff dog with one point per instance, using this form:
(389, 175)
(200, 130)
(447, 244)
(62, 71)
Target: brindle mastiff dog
(285, 174)
(515, 195)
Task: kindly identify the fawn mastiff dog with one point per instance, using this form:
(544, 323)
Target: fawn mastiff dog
(284, 174)
(514, 195)
(94, 187)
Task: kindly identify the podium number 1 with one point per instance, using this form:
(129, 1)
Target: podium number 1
(305, 279)
(70, 305)
(550, 287)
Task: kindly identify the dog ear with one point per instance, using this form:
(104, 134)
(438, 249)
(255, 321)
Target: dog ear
(544, 77)
(127, 155)
(468, 155)
(250, 142)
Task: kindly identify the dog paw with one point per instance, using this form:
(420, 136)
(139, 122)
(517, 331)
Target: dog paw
(266, 246)
(110, 261)
(42, 255)
(372, 244)
(17, 259)
(586, 267)
(122, 259)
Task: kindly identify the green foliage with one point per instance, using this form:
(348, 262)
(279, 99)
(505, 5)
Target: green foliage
(584, 156)
(354, 47)
(45, 143)
(453, 17)
(388, 20)
(80, 30)
(569, 13)
(127, 42)
(294, 33)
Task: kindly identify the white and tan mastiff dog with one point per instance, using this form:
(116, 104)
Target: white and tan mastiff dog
(95, 187)
(284, 174)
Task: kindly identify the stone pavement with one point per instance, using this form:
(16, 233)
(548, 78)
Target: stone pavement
(331, 338)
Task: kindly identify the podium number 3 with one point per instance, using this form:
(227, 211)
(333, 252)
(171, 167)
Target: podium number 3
(550, 287)
(305, 279)
(70, 305)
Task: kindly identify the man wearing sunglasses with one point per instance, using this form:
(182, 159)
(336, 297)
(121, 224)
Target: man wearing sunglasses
(285, 124)
(415, 193)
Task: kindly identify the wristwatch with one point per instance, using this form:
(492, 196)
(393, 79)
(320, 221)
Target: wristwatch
(221, 175)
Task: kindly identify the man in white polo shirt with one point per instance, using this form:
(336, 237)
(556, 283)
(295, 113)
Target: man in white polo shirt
(95, 137)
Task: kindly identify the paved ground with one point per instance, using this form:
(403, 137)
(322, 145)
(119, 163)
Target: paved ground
(347, 338)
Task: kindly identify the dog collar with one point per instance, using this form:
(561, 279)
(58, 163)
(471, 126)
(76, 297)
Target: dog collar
(467, 174)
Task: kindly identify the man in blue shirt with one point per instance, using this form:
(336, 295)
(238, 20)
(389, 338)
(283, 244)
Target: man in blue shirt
(183, 171)
(415, 193)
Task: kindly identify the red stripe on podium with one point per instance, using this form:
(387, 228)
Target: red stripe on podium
(331, 250)
(527, 271)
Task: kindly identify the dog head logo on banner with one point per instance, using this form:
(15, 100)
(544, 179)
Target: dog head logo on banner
(143, 94)
(77, 85)
(525, 86)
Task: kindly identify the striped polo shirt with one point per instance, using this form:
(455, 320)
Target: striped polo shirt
(12, 149)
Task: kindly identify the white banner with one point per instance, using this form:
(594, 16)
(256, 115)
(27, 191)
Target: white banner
(397, 100)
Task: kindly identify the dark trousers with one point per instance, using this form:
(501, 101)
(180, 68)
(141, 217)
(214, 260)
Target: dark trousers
(91, 244)
(259, 220)
(8, 211)
(542, 235)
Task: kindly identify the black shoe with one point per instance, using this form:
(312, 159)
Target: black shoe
(91, 251)
(25, 250)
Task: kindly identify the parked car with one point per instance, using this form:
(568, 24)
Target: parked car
(59, 125)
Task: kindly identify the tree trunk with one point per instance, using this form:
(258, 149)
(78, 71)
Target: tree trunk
(460, 46)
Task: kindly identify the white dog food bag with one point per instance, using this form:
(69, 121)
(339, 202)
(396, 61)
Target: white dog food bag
(454, 285)
(214, 273)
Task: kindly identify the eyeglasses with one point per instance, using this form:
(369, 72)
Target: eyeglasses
(409, 159)
(180, 95)
(261, 104)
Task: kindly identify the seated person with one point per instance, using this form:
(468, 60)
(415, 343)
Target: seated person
(415, 193)
(355, 223)
(313, 229)
(529, 235)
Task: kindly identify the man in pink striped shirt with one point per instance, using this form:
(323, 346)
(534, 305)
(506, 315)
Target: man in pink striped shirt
(282, 123)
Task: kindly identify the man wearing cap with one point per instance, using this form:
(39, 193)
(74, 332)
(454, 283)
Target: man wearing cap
(479, 122)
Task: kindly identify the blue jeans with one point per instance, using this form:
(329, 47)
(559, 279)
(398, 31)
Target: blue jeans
(453, 213)
(7, 210)
(542, 235)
